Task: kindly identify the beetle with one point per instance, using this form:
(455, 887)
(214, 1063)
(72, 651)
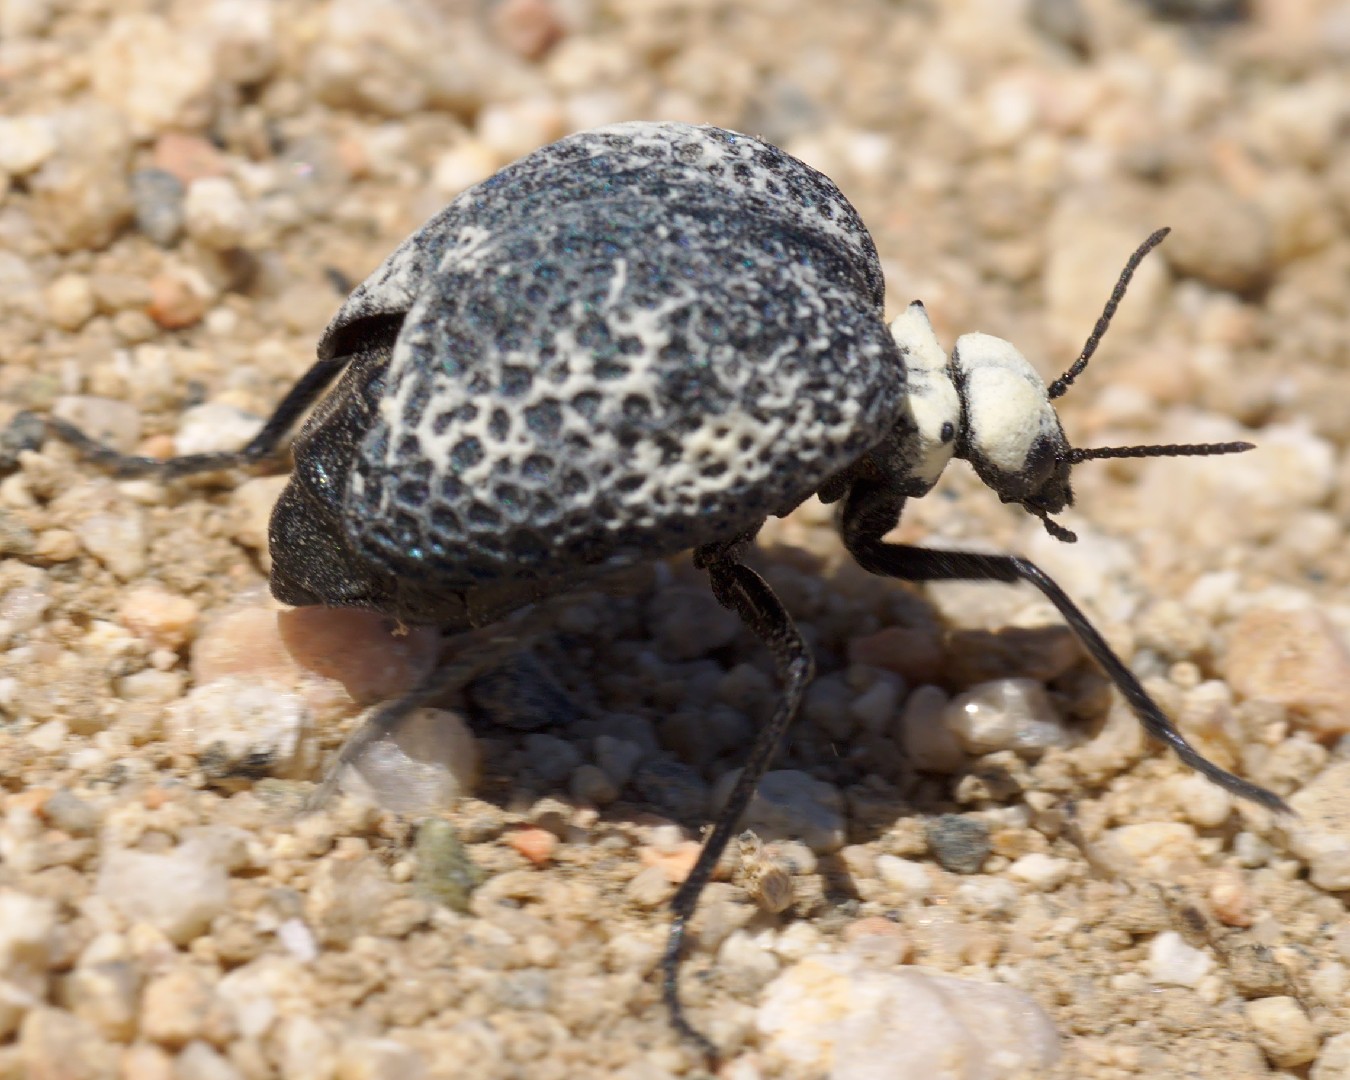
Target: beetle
(639, 340)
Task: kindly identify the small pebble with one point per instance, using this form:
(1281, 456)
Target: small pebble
(214, 427)
(148, 1062)
(792, 805)
(517, 127)
(157, 195)
(1010, 714)
(1254, 971)
(72, 814)
(345, 896)
(675, 863)
(23, 606)
(70, 301)
(240, 730)
(164, 79)
(80, 195)
(912, 880)
(363, 651)
(550, 758)
(529, 28)
(161, 618)
(215, 214)
(1227, 242)
(298, 940)
(462, 166)
(1230, 899)
(445, 872)
(191, 888)
(928, 741)
(877, 940)
(555, 815)
(179, 297)
(1319, 836)
(650, 887)
(520, 694)
(914, 653)
(27, 941)
(367, 1058)
(188, 157)
(1043, 872)
(617, 757)
(1205, 805)
(200, 1061)
(26, 142)
(1018, 653)
(833, 1014)
(1172, 962)
(1333, 1062)
(179, 1006)
(986, 898)
(959, 844)
(1155, 848)
(590, 785)
(876, 708)
(826, 705)
(1309, 673)
(117, 539)
(537, 845)
(1084, 260)
(745, 963)
(673, 788)
(1283, 1030)
(427, 764)
(57, 545)
(55, 1043)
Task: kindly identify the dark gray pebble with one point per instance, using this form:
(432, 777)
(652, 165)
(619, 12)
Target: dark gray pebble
(960, 844)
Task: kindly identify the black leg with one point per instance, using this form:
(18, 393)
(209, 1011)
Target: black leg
(743, 591)
(299, 398)
(865, 521)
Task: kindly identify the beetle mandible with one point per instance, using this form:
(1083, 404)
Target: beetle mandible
(639, 340)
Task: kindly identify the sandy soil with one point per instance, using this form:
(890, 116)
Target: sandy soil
(190, 189)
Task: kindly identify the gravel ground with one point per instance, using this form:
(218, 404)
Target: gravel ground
(979, 866)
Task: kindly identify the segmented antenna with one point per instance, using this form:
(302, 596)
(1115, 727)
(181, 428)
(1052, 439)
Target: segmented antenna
(1057, 388)
(1096, 453)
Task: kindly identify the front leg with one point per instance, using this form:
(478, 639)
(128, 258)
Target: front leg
(743, 591)
(870, 512)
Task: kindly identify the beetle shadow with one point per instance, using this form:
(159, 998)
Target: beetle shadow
(611, 709)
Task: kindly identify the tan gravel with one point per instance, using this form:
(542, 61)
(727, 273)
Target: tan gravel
(187, 189)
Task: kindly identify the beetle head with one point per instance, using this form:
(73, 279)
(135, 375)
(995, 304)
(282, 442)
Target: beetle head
(1010, 432)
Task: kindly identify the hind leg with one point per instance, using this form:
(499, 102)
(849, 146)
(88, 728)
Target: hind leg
(268, 441)
(743, 591)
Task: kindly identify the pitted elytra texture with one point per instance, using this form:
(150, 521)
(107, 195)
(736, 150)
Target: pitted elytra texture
(643, 339)
(635, 341)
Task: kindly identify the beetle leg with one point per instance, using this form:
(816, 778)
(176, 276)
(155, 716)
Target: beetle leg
(743, 591)
(300, 397)
(867, 517)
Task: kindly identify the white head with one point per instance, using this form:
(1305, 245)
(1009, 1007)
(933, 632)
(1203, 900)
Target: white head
(1006, 426)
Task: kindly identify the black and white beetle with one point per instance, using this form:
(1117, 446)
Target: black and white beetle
(638, 340)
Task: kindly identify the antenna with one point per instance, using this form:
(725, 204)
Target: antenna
(1057, 388)
(1097, 453)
